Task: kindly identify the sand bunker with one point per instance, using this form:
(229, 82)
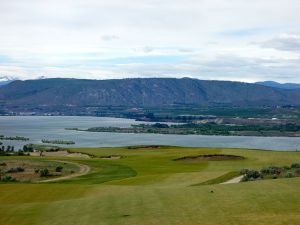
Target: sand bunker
(61, 154)
(144, 147)
(111, 157)
(211, 157)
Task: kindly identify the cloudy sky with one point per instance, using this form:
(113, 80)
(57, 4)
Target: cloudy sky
(239, 40)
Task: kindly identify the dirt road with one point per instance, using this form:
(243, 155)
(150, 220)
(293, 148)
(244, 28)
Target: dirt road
(83, 169)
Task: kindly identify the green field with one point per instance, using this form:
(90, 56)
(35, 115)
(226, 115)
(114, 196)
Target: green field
(147, 186)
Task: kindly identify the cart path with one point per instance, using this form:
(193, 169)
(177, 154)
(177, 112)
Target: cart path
(83, 170)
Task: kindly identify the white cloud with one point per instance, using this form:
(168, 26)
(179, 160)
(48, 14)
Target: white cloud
(285, 42)
(109, 37)
(83, 38)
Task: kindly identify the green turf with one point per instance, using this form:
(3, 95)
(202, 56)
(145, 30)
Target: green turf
(147, 186)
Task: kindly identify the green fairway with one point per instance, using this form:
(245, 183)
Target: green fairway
(148, 186)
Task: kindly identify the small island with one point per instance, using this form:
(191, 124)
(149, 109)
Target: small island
(14, 138)
(59, 142)
(284, 130)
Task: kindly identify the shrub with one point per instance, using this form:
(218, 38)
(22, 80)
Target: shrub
(16, 170)
(20, 169)
(44, 173)
(253, 174)
(8, 179)
(286, 167)
(244, 171)
(295, 165)
(28, 148)
(289, 175)
(271, 170)
(250, 175)
(297, 171)
(20, 153)
(59, 169)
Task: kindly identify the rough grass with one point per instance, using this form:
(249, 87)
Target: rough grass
(29, 166)
(149, 187)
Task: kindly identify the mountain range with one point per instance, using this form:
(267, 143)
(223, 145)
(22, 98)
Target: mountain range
(5, 80)
(152, 92)
(279, 85)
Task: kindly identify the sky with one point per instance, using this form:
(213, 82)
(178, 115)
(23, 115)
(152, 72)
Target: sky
(239, 40)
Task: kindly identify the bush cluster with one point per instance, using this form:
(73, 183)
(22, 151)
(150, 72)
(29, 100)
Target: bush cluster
(59, 169)
(250, 175)
(295, 165)
(44, 173)
(271, 172)
(16, 170)
(8, 179)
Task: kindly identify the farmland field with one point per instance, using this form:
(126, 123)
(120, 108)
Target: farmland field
(152, 185)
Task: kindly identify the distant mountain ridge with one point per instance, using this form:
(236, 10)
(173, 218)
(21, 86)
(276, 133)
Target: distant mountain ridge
(154, 92)
(279, 85)
(6, 80)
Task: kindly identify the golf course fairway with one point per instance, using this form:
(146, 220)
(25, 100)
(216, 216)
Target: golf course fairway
(157, 185)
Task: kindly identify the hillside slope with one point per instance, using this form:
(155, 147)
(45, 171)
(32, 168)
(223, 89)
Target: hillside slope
(143, 92)
(279, 85)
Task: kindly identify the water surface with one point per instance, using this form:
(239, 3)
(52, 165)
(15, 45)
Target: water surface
(53, 127)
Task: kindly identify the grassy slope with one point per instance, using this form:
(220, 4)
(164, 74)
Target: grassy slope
(147, 187)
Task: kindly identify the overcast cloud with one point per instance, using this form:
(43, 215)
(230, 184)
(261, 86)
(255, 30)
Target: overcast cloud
(207, 39)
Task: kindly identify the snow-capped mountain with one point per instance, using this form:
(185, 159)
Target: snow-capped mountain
(6, 80)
